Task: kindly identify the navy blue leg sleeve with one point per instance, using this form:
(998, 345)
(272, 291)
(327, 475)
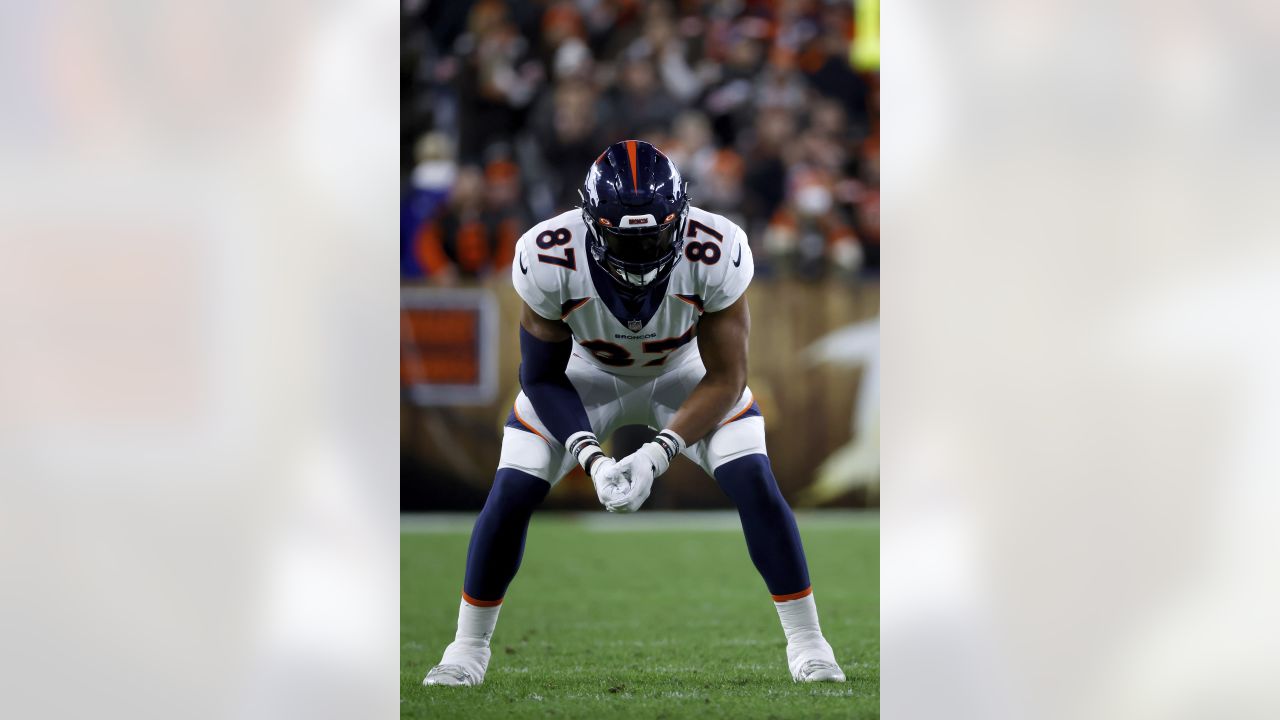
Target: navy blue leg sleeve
(497, 541)
(773, 540)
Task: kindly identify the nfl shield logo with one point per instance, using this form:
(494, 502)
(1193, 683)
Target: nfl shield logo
(634, 325)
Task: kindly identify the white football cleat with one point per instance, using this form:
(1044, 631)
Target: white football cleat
(819, 671)
(462, 665)
(813, 661)
(453, 675)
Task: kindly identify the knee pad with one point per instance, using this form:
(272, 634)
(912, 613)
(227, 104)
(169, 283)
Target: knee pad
(524, 451)
(734, 441)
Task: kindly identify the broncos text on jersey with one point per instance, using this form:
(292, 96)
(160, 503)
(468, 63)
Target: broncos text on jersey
(644, 336)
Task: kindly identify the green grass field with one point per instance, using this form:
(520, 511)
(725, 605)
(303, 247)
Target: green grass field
(619, 617)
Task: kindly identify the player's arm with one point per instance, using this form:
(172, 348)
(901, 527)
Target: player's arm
(722, 341)
(545, 347)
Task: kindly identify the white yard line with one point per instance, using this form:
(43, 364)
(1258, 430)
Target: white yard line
(643, 521)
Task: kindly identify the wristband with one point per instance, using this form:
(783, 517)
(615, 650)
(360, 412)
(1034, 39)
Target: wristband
(671, 443)
(585, 448)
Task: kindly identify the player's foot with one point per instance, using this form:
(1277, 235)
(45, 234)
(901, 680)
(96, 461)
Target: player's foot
(819, 671)
(449, 675)
(461, 665)
(812, 660)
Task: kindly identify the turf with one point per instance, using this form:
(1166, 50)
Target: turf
(614, 620)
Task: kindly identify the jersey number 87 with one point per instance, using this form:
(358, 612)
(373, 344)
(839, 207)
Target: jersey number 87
(548, 239)
(615, 355)
(704, 252)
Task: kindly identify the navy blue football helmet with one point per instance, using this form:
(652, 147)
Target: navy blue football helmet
(635, 203)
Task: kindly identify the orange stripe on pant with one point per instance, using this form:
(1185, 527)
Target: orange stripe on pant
(794, 596)
(480, 603)
(740, 413)
(526, 425)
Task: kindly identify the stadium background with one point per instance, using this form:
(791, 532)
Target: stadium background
(771, 111)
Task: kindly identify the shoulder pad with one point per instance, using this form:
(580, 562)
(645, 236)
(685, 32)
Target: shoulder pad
(548, 258)
(723, 280)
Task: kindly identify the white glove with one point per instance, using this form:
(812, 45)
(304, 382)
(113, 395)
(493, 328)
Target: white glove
(642, 466)
(609, 481)
(602, 469)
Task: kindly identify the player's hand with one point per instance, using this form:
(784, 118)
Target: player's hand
(639, 470)
(642, 466)
(609, 481)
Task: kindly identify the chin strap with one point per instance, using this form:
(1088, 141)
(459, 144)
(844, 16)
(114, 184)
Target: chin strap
(635, 290)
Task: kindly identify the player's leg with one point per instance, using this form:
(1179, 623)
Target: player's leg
(736, 457)
(530, 464)
(496, 549)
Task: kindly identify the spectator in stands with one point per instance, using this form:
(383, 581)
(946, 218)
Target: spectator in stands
(730, 102)
(691, 146)
(809, 231)
(571, 137)
(499, 80)
(476, 234)
(826, 62)
(429, 187)
(640, 100)
(766, 172)
(756, 101)
(722, 189)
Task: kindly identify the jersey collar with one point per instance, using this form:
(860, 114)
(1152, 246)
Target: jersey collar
(634, 312)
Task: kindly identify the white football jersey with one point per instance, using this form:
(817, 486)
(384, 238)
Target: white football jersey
(553, 275)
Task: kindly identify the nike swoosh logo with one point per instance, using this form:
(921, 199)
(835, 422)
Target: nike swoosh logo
(738, 262)
(525, 270)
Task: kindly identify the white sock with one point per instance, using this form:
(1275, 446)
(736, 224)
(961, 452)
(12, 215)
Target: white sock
(804, 635)
(470, 646)
(476, 624)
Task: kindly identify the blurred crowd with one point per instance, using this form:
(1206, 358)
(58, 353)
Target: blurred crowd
(505, 104)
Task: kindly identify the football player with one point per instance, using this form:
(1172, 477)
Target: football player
(633, 314)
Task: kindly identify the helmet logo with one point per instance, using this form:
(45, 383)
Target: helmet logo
(593, 176)
(635, 220)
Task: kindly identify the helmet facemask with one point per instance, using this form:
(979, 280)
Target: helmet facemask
(637, 258)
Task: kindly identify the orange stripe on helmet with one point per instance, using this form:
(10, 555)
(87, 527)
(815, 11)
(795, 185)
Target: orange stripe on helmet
(631, 155)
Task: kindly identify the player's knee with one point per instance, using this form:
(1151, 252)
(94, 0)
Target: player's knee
(515, 493)
(750, 480)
